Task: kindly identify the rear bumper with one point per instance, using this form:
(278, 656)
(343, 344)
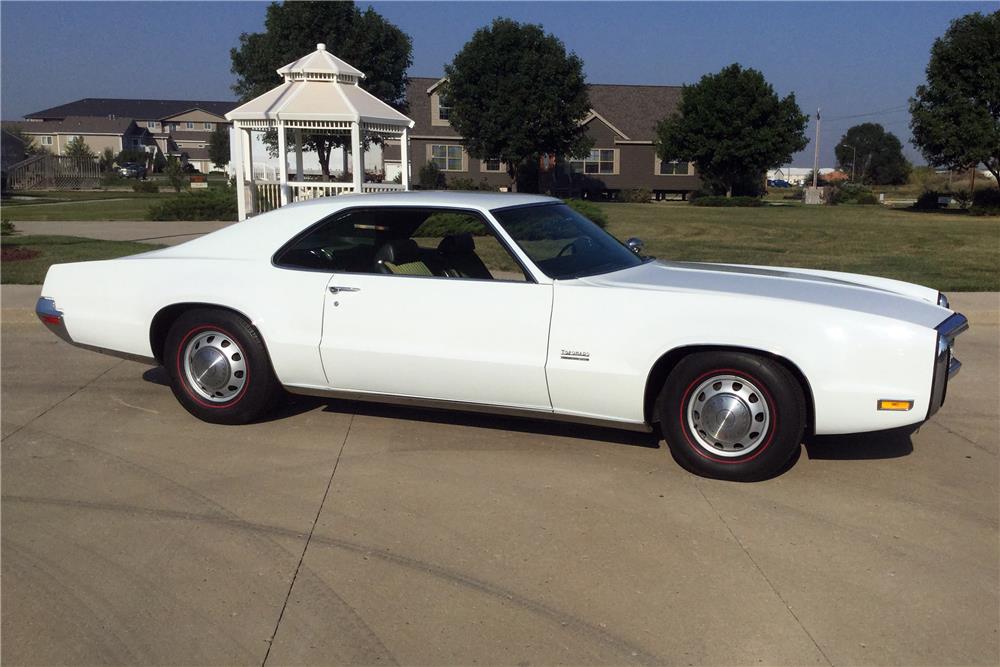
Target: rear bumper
(946, 366)
(52, 318)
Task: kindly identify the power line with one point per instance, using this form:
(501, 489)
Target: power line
(902, 107)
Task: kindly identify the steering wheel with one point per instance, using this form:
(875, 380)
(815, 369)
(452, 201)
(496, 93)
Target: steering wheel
(322, 254)
(577, 245)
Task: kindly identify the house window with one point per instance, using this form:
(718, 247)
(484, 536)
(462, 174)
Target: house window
(600, 161)
(672, 168)
(494, 165)
(151, 123)
(46, 141)
(207, 126)
(189, 125)
(447, 157)
(443, 112)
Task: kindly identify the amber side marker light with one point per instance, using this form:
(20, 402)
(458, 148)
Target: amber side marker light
(903, 406)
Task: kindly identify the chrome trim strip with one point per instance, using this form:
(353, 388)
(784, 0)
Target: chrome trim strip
(149, 361)
(953, 326)
(461, 406)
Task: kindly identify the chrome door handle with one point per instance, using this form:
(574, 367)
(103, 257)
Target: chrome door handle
(336, 290)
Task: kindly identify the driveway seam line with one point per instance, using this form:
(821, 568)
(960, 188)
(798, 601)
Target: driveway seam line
(63, 400)
(766, 578)
(305, 547)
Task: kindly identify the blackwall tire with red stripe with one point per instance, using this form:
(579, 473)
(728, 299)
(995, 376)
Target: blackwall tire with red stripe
(731, 415)
(219, 367)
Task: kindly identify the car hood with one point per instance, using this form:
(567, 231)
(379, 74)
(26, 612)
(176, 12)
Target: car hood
(849, 291)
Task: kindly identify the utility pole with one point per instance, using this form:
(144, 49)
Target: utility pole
(816, 152)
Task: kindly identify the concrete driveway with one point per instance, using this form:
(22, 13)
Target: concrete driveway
(346, 533)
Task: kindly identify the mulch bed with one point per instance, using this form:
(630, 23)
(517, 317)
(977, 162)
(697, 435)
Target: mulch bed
(17, 253)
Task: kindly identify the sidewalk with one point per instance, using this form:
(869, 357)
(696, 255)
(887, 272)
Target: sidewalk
(167, 233)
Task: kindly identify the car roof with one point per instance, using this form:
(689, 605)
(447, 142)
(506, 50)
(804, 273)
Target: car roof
(261, 235)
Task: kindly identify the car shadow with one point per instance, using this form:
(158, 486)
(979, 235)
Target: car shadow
(889, 444)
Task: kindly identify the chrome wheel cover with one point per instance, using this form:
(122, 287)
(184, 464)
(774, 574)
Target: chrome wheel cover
(214, 366)
(728, 415)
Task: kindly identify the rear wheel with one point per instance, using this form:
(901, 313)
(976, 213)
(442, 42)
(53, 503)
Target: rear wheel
(218, 366)
(731, 415)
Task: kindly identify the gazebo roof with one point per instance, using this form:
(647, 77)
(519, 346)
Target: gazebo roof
(320, 64)
(319, 87)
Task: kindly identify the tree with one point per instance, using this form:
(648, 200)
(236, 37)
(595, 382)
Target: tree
(871, 154)
(955, 116)
(365, 39)
(734, 127)
(31, 146)
(107, 160)
(218, 146)
(78, 148)
(516, 94)
(174, 172)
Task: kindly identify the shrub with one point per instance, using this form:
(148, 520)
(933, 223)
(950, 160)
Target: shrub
(867, 199)
(112, 179)
(928, 200)
(716, 200)
(444, 224)
(430, 177)
(469, 184)
(145, 186)
(7, 228)
(589, 210)
(210, 204)
(635, 196)
(986, 202)
(850, 193)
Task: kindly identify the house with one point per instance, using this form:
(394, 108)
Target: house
(180, 128)
(621, 123)
(98, 133)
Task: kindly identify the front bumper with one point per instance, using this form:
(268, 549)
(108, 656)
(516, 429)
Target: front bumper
(946, 366)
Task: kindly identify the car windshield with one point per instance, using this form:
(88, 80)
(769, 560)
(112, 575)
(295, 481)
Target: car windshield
(563, 243)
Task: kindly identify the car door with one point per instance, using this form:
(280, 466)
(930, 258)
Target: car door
(470, 340)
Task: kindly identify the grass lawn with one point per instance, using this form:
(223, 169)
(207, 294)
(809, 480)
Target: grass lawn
(56, 250)
(947, 251)
(132, 208)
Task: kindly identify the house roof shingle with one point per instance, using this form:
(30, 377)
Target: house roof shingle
(633, 109)
(75, 125)
(130, 108)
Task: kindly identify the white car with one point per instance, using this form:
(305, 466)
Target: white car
(519, 305)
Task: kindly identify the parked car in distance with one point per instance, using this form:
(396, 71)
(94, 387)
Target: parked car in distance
(515, 304)
(778, 183)
(132, 170)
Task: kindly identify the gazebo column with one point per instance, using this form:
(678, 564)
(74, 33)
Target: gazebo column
(357, 156)
(236, 157)
(247, 141)
(283, 165)
(404, 157)
(298, 155)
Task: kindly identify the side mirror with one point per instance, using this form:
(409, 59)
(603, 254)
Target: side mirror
(635, 244)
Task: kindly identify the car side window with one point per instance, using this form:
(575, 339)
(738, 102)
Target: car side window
(425, 242)
(458, 244)
(345, 243)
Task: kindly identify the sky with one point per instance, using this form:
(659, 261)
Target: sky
(860, 62)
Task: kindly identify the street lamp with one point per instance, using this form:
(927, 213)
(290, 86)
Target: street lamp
(854, 158)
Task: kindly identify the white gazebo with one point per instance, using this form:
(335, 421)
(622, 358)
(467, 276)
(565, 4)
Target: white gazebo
(320, 95)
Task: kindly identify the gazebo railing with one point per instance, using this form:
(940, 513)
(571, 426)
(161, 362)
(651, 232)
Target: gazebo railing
(266, 196)
(317, 189)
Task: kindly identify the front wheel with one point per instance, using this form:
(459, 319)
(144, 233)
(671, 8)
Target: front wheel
(731, 415)
(219, 368)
